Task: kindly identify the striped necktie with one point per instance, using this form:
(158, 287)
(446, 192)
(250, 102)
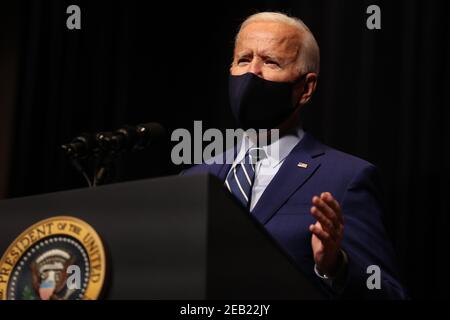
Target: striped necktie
(240, 178)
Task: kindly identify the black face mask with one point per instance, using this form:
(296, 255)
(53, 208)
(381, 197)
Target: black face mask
(258, 103)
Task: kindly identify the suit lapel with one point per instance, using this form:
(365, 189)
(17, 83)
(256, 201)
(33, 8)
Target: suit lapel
(222, 174)
(221, 170)
(290, 177)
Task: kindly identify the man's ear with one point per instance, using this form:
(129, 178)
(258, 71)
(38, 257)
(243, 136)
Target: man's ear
(307, 88)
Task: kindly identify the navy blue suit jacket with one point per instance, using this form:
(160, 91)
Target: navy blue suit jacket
(284, 210)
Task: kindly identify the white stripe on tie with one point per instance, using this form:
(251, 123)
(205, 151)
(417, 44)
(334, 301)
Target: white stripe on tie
(246, 175)
(226, 183)
(239, 185)
(252, 163)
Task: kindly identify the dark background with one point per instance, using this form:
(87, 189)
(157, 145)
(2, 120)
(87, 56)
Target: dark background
(382, 95)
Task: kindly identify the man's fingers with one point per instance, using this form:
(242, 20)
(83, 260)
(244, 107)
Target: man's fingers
(326, 223)
(326, 210)
(320, 233)
(333, 204)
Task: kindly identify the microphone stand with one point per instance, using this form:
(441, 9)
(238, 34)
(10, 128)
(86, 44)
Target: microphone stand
(104, 169)
(103, 166)
(105, 147)
(81, 170)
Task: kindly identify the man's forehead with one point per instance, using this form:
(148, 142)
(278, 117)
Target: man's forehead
(275, 36)
(277, 29)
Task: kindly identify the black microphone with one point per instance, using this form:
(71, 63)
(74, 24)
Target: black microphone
(81, 147)
(127, 138)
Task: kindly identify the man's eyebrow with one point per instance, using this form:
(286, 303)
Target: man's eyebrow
(245, 53)
(266, 55)
(271, 57)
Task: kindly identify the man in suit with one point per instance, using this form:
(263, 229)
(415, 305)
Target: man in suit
(323, 206)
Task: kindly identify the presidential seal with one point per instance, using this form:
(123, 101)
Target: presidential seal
(60, 258)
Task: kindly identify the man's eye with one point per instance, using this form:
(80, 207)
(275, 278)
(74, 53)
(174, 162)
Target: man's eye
(242, 61)
(271, 62)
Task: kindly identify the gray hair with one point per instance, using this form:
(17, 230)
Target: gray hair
(309, 55)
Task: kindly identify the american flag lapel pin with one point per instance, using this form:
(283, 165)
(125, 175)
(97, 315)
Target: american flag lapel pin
(302, 165)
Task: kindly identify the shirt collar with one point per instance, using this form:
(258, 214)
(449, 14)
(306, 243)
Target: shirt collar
(277, 151)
